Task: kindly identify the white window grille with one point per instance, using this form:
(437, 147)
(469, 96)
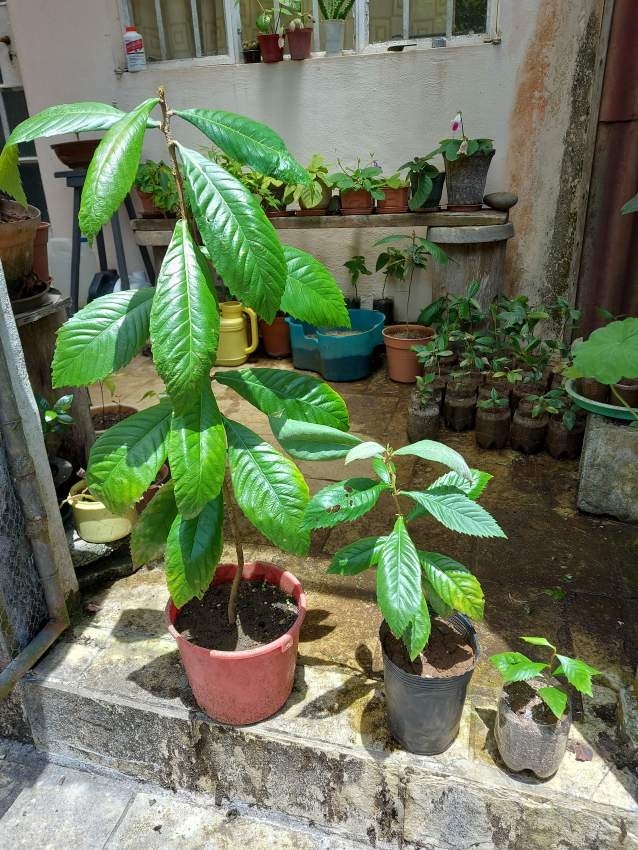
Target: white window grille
(212, 30)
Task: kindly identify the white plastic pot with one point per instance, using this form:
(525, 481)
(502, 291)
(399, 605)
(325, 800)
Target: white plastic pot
(333, 32)
(93, 521)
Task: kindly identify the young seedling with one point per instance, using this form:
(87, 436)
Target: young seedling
(424, 389)
(356, 266)
(409, 581)
(516, 667)
(493, 402)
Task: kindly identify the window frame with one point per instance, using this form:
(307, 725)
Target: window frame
(362, 44)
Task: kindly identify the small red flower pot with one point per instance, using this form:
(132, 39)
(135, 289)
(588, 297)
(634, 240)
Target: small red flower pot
(269, 46)
(299, 41)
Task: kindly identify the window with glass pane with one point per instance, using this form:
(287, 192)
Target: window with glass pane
(470, 17)
(180, 29)
(427, 18)
(386, 20)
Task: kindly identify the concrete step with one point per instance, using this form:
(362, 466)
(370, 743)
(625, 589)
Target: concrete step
(113, 695)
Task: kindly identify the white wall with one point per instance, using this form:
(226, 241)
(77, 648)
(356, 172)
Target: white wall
(394, 105)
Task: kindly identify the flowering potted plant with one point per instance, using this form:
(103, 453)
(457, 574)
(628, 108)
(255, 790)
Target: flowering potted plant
(467, 162)
(299, 31)
(271, 33)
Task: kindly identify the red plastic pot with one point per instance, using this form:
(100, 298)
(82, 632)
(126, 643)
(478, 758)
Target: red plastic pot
(276, 337)
(269, 46)
(251, 685)
(299, 41)
(395, 201)
(356, 202)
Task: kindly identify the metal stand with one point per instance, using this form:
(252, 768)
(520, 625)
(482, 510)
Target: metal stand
(75, 180)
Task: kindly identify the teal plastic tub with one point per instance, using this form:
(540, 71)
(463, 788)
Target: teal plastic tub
(339, 354)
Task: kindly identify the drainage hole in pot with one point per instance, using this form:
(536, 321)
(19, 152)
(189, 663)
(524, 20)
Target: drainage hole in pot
(447, 653)
(264, 613)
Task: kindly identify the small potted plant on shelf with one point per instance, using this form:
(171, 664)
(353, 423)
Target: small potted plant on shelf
(393, 263)
(314, 196)
(251, 52)
(424, 409)
(358, 188)
(156, 189)
(334, 14)
(226, 466)
(400, 339)
(467, 162)
(299, 31)
(534, 709)
(493, 421)
(271, 33)
(395, 194)
(356, 266)
(530, 421)
(425, 597)
(426, 182)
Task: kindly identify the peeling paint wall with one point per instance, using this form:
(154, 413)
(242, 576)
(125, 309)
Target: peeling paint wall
(532, 94)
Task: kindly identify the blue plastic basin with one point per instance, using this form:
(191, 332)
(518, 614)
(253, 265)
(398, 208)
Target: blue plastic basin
(338, 353)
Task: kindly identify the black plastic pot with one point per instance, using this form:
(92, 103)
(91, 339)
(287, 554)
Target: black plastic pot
(385, 306)
(425, 714)
(466, 177)
(434, 198)
(251, 57)
(353, 303)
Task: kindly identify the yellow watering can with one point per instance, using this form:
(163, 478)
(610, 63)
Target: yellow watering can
(233, 348)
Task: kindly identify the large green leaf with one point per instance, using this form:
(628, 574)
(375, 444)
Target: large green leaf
(124, 461)
(184, 318)
(399, 591)
(631, 206)
(309, 441)
(241, 242)
(10, 180)
(439, 452)
(364, 451)
(247, 141)
(193, 550)
(610, 353)
(102, 337)
(453, 583)
(417, 633)
(554, 699)
(197, 452)
(516, 667)
(113, 168)
(356, 557)
(148, 538)
(282, 393)
(455, 511)
(269, 489)
(473, 487)
(342, 501)
(577, 673)
(311, 293)
(538, 641)
(66, 118)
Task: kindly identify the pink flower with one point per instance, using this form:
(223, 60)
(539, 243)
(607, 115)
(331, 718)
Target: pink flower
(456, 122)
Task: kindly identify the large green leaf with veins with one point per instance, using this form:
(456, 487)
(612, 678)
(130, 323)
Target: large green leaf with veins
(113, 168)
(184, 318)
(102, 337)
(456, 511)
(124, 460)
(148, 538)
(453, 583)
(241, 242)
(438, 452)
(311, 441)
(516, 667)
(417, 633)
(247, 141)
(610, 353)
(311, 293)
(197, 452)
(193, 550)
(10, 180)
(269, 489)
(280, 392)
(577, 672)
(343, 501)
(399, 591)
(356, 557)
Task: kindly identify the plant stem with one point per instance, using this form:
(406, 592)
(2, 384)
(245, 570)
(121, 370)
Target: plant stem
(615, 392)
(172, 144)
(234, 589)
(393, 483)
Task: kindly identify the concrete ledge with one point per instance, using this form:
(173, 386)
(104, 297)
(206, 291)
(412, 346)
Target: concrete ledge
(608, 478)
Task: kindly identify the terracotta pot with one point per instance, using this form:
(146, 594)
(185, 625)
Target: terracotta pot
(117, 411)
(17, 236)
(423, 421)
(403, 365)
(492, 427)
(269, 46)
(247, 686)
(628, 389)
(161, 478)
(527, 433)
(356, 202)
(148, 205)
(591, 388)
(40, 251)
(459, 412)
(76, 154)
(395, 201)
(561, 443)
(276, 337)
(299, 42)
(466, 178)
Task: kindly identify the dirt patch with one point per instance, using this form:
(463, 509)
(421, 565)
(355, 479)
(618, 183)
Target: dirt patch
(447, 653)
(525, 702)
(104, 421)
(264, 613)
(405, 334)
(342, 332)
(11, 216)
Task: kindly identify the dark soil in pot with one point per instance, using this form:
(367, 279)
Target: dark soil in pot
(385, 306)
(527, 433)
(423, 421)
(448, 653)
(628, 389)
(104, 417)
(522, 389)
(492, 427)
(264, 613)
(561, 443)
(591, 388)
